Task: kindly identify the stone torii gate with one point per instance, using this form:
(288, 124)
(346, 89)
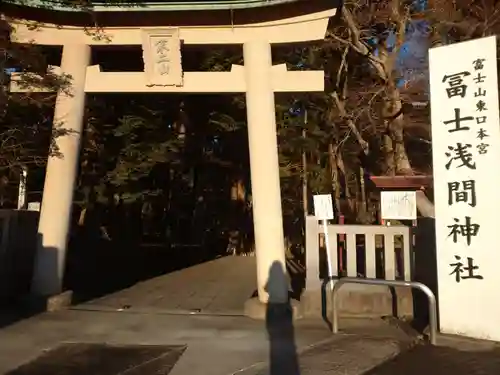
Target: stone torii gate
(258, 79)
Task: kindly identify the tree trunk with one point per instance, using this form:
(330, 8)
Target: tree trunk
(305, 194)
(388, 152)
(334, 174)
(393, 109)
(236, 242)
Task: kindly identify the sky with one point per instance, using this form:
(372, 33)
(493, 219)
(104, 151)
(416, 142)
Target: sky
(413, 57)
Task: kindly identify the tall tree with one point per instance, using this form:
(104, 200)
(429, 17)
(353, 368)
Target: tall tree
(379, 39)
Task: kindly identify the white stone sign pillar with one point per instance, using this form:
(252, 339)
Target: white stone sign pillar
(466, 154)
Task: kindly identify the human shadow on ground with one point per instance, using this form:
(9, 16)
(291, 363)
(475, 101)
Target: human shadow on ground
(283, 358)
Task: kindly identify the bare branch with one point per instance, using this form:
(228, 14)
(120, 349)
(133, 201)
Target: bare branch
(352, 126)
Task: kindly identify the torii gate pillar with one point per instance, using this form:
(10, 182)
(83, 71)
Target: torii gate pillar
(60, 176)
(264, 168)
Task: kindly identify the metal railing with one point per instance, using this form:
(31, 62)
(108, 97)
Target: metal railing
(410, 284)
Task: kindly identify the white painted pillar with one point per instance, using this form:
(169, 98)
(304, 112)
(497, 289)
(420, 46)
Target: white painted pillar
(23, 180)
(264, 166)
(55, 213)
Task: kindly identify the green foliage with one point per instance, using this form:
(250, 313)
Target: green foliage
(120, 153)
(145, 143)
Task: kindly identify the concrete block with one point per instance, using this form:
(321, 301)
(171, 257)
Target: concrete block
(360, 301)
(60, 301)
(56, 302)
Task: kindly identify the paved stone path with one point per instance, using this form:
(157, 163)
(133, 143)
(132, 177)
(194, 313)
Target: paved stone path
(215, 345)
(454, 356)
(220, 286)
(236, 345)
(103, 359)
(350, 354)
(229, 345)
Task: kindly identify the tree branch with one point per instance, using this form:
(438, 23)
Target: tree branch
(350, 123)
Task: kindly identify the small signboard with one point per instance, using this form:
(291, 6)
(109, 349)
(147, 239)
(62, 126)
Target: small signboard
(34, 206)
(323, 207)
(398, 205)
(323, 210)
(162, 57)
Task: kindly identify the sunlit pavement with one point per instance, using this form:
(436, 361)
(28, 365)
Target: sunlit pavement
(140, 343)
(219, 286)
(158, 327)
(214, 345)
